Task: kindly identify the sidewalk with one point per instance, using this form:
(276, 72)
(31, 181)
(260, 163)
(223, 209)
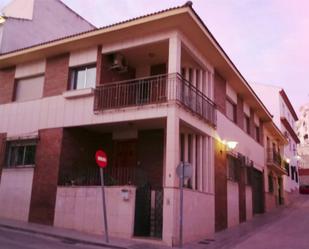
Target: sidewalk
(77, 237)
(226, 239)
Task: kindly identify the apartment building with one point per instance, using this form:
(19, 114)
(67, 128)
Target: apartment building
(152, 92)
(302, 129)
(285, 117)
(275, 169)
(25, 23)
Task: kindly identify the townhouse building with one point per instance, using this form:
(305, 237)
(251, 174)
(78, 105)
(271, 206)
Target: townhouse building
(285, 117)
(152, 92)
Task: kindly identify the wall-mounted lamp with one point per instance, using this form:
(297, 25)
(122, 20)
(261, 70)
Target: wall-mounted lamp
(288, 160)
(231, 145)
(125, 194)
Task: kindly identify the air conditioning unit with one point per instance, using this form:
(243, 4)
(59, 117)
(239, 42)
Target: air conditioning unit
(119, 63)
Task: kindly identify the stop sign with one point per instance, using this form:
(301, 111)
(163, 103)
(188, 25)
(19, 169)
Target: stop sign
(101, 158)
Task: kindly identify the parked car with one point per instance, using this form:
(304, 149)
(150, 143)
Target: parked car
(304, 189)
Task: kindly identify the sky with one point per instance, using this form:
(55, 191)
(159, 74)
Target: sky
(268, 40)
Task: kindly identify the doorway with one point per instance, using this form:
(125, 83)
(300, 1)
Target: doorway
(149, 191)
(257, 192)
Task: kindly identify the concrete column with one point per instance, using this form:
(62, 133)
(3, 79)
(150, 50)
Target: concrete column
(193, 154)
(2, 151)
(172, 158)
(174, 65)
(211, 86)
(201, 78)
(204, 82)
(174, 55)
(194, 77)
(172, 149)
(200, 163)
(187, 73)
(186, 147)
(205, 165)
(212, 164)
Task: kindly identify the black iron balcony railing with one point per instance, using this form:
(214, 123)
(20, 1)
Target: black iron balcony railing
(154, 90)
(274, 157)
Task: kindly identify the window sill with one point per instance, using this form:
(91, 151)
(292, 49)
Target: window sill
(19, 167)
(80, 93)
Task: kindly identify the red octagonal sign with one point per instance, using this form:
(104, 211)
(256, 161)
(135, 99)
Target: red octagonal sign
(101, 158)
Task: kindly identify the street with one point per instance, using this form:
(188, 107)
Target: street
(284, 228)
(10, 239)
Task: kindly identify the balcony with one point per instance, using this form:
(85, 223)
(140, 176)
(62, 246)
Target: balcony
(155, 90)
(274, 161)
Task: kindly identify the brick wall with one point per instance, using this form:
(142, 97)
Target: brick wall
(150, 155)
(78, 149)
(108, 75)
(44, 188)
(56, 75)
(2, 151)
(7, 79)
(220, 187)
(219, 92)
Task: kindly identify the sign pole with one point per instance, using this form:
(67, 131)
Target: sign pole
(181, 182)
(104, 206)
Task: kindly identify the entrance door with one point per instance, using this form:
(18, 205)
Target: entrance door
(149, 192)
(257, 192)
(123, 171)
(280, 201)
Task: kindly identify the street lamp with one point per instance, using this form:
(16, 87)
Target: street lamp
(231, 145)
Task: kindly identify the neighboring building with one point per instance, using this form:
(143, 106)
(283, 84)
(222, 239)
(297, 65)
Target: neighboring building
(285, 118)
(302, 127)
(151, 91)
(274, 142)
(29, 22)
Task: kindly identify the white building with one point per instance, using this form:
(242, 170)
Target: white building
(285, 117)
(24, 23)
(302, 128)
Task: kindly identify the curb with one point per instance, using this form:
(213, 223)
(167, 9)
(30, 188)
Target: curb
(61, 237)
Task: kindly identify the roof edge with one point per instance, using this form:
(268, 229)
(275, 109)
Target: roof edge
(288, 103)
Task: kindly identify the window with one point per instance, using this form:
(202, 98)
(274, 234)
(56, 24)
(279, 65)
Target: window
(257, 133)
(29, 88)
(231, 110)
(83, 77)
(247, 124)
(232, 173)
(20, 153)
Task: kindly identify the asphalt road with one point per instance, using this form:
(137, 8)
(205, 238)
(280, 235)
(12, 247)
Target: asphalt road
(10, 239)
(285, 228)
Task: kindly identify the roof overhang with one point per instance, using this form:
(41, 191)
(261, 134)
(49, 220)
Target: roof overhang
(290, 129)
(276, 168)
(182, 18)
(276, 133)
(288, 104)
